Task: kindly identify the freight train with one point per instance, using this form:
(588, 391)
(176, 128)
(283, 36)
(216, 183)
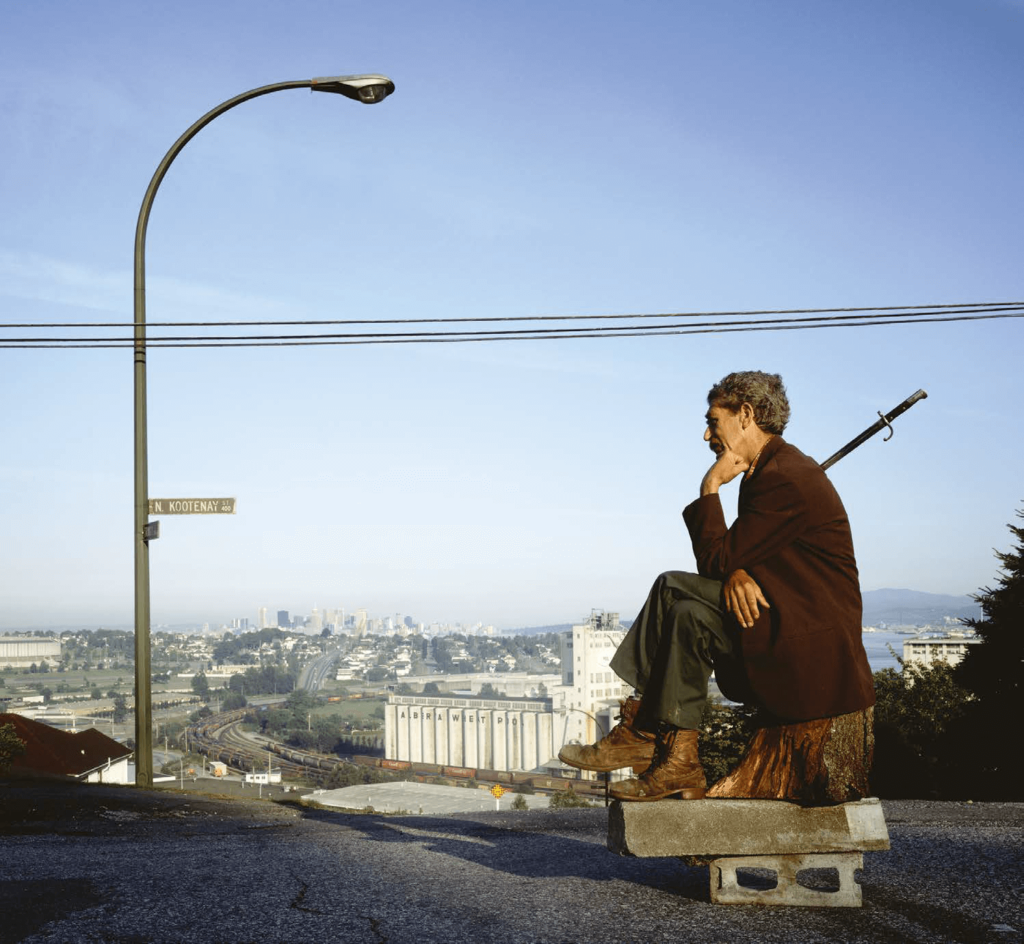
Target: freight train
(314, 766)
(513, 778)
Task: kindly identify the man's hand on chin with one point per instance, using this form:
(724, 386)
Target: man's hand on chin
(743, 597)
(727, 466)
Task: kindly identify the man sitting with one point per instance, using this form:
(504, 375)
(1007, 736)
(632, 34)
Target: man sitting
(774, 610)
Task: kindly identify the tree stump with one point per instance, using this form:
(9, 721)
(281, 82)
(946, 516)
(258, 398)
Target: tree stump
(817, 762)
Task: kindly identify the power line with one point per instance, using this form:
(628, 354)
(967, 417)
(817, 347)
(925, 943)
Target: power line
(855, 317)
(994, 306)
(605, 331)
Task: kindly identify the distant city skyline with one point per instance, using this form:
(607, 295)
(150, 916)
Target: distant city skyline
(885, 605)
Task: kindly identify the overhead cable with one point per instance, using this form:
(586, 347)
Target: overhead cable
(824, 318)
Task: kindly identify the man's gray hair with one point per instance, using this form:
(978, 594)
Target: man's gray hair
(764, 392)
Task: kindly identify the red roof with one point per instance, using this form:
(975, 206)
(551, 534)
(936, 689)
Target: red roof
(49, 751)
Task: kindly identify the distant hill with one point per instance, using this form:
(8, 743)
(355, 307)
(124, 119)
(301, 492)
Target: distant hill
(913, 607)
(893, 607)
(537, 630)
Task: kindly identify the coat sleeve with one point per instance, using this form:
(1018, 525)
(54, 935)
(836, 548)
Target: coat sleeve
(773, 515)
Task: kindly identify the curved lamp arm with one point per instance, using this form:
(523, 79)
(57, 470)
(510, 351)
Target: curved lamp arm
(368, 89)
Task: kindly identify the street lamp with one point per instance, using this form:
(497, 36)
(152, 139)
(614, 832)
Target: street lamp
(368, 89)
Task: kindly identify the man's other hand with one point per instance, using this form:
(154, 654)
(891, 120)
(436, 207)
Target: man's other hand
(743, 597)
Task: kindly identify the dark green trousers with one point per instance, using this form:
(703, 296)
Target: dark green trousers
(679, 638)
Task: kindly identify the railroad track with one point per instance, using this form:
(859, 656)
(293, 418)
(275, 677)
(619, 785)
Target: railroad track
(220, 739)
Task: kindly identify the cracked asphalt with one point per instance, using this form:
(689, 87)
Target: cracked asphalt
(109, 864)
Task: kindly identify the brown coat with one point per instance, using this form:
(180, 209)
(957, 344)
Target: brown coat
(804, 657)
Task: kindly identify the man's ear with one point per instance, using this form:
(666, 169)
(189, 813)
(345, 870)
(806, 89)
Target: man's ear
(746, 415)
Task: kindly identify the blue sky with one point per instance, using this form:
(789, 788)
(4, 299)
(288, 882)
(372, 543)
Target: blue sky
(536, 158)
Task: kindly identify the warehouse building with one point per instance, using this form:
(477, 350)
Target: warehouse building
(22, 652)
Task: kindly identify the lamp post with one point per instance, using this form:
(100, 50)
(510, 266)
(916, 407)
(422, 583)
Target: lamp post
(368, 89)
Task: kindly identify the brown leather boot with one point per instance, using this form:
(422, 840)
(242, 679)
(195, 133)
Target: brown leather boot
(675, 769)
(623, 746)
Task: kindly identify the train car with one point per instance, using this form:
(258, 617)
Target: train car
(421, 768)
(465, 773)
(494, 776)
(365, 760)
(543, 782)
(395, 764)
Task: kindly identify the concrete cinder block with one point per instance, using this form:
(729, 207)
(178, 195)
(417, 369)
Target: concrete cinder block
(714, 828)
(726, 890)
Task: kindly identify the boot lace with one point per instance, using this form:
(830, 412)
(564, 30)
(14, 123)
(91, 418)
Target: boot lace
(664, 739)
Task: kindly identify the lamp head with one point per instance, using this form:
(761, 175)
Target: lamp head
(368, 89)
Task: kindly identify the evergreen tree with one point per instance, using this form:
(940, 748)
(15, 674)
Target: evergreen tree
(993, 672)
(11, 746)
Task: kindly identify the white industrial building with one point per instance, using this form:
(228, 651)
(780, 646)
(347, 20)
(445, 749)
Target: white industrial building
(509, 732)
(470, 731)
(24, 651)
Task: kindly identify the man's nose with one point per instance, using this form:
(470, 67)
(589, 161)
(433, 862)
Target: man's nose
(707, 434)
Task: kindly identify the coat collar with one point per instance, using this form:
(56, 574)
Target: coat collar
(767, 454)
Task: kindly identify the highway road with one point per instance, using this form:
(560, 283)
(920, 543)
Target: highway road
(313, 675)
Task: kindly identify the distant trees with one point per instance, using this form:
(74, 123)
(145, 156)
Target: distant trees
(233, 701)
(120, 709)
(200, 686)
(265, 680)
(322, 734)
(275, 720)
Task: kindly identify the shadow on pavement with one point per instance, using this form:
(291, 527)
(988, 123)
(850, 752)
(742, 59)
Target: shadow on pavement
(528, 845)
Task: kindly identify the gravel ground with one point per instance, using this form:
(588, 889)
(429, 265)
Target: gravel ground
(101, 863)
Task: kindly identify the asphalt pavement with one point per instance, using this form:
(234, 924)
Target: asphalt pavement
(106, 864)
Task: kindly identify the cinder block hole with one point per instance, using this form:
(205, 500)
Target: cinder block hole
(761, 880)
(821, 880)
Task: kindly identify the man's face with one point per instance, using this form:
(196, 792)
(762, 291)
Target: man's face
(723, 430)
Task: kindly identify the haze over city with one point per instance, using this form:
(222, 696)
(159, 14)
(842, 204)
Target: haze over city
(534, 160)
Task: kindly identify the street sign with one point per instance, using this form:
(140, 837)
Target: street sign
(192, 506)
(152, 530)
